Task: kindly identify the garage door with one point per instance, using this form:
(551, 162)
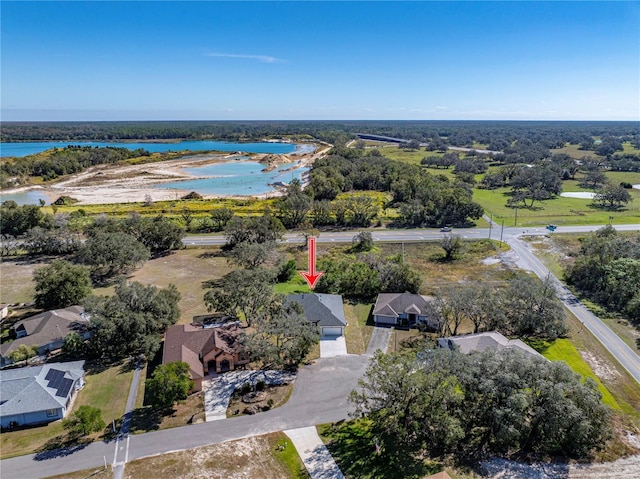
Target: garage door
(336, 331)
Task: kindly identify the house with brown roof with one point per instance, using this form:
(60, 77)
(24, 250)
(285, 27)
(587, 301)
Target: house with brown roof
(46, 331)
(205, 348)
(404, 309)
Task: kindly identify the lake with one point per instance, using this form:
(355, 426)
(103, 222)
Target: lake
(229, 178)
(235, 178)
(29, 148)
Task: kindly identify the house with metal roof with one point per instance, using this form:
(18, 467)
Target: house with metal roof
(39, 394)
(404, 309)
(326, 311)
(490, 340)
(46, 331)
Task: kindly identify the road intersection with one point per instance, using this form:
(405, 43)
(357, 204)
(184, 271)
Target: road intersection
(321, 390)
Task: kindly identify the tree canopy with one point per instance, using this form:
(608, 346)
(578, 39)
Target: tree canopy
(61, 284)
(502, 402)
(169, 384)
(132, 321)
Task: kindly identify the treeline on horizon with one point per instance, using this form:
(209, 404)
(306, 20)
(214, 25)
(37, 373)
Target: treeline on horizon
(496, 134)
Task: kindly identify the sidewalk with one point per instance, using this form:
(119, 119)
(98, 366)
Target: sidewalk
(314, 453)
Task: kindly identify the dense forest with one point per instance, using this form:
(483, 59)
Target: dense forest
(498, 135)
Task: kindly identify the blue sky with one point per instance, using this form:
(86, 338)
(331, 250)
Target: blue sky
(320, 60)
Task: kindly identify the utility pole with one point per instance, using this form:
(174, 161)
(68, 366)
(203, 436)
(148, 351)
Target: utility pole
(490, 224)
(501, 231)
(515, 222)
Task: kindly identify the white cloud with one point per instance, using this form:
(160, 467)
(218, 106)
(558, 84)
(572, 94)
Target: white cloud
(260, 58)
(442, 107)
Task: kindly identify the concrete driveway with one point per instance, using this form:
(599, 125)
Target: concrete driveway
(331, 346)
(218, 389)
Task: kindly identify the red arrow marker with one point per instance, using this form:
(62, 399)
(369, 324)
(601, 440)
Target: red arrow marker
(311, 276)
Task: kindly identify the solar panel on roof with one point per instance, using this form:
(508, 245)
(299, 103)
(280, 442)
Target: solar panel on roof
(55, 377)
(65, 385)
(50, 374)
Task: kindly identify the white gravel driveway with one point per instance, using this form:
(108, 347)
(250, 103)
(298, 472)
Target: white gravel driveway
(218, 389)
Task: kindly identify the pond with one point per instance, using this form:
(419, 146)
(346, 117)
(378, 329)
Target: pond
(237, 178)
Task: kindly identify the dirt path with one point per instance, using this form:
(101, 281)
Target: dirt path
(626, 468)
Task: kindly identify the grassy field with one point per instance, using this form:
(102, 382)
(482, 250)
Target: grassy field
(564, 350)
(189, 269)
(560, 210)
(106, 389)
(574, 151)
(259, 457)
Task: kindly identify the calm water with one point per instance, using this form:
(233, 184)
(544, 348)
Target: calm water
(30, 197)
(231, 178)
(24, 149)
(235, 178)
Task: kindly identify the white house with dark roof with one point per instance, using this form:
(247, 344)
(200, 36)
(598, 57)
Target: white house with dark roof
(40, 394)
(46, 331)
(403, 309)
(491, 340)
(326, 311)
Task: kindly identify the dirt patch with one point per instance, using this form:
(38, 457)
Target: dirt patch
(626, 468)
(491, 260)
(249, 458)
(599, 367)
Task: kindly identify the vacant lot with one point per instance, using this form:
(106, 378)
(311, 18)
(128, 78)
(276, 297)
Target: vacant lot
(269, 456)
(188, 269)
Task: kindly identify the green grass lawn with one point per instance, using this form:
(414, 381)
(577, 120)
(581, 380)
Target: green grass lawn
(560, 210)
(106, 389)
(359, 328)
(564, 350)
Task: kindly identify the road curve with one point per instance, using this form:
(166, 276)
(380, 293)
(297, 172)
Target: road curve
(321, 391)
(628, 358)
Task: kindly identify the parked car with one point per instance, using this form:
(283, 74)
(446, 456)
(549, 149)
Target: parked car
(445, 229)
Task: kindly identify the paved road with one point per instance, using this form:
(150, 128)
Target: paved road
(321, 390)
(320, 395)
(610, 340)
(122, 442)
(428, 234)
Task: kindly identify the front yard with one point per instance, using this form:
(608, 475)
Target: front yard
(107, 388)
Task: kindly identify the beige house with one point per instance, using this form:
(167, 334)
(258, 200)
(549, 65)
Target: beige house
(206, 349)
(404, 309)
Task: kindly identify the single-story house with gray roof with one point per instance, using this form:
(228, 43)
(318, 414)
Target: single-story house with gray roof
(404, 309)
(39, 394)
(492, 340)
(326, 311)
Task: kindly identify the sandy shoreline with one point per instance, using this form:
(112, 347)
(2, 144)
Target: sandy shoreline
(106, 184)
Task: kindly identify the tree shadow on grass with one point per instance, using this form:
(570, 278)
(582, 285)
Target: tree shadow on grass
(353, 447)
(145, 419)
(61, 446)
(212, 254)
